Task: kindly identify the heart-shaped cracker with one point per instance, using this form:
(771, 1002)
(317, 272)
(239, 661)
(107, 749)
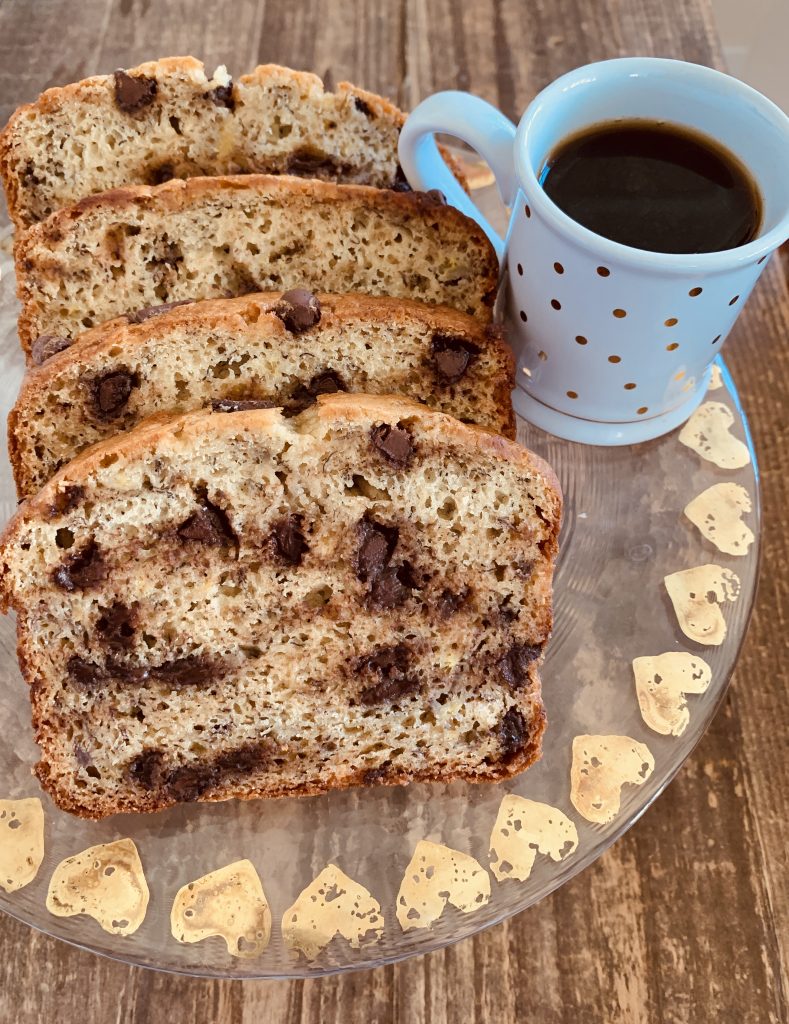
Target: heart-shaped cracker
(525, 828)
(333, 904)
(435, 876)
(697, 594)
(708, 432)
(228, 902)
(661, 684)
(21, 842)
(718, 512)
(716, 378)
(601, 766)
(106, 882)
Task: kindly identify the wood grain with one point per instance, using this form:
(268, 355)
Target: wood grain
(685, 919)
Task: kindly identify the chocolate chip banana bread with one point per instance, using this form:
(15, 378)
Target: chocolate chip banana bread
(119, 251)
(265, 349)
(167, 119)
(244, 605)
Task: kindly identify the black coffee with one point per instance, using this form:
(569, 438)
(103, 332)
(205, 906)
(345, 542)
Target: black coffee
(656, 186)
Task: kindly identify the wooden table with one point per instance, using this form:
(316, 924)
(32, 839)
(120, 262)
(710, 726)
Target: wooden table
(683, 920)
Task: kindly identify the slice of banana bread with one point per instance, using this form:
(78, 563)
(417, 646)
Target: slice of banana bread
(270, 349)
(204, 238)
(242, 605)
(166, 119)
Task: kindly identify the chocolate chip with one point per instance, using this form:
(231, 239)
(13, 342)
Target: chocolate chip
(188, 783)
(65, 500)
(161, 174)
(149, 311)
(389, 691)
(241, 404)
(376, 546)
(289, 542)
(390, 665)
(209, 525)
(223, 96)
(81, 570)
(193, 670)
(305, 163)
(116, 626)
(400, 183)
(246, 758)
(148, 769)
(326, 383)
(46, 345)
(524, 569)
(85, 673)
(377, 776)
(111, 391)
(450, 601)
(362, 106)
(512, 734)
(392, 586)
(134, 92)
(299, 310)
(304, 395)
(436, 196)
(394, 443)
(514, 665)
(452, 356)
(81, 756)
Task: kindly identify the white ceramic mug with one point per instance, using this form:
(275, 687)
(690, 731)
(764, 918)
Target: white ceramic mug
(613, 344)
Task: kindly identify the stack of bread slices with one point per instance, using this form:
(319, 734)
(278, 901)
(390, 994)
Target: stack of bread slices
(276, 534)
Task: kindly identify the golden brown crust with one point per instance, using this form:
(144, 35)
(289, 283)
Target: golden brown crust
(93, 89)
(337, 406)
(180, 194)
(98, 346)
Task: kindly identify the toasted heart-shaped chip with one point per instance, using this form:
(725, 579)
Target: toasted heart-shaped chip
(105, 882)
(716, 378)
(228, 902)
(601, 766)
(21, 842)
(333, 904)
(708, 432)
(697, 594)
(525, 828)
(435, 876)
(661, 684)
(718, 512)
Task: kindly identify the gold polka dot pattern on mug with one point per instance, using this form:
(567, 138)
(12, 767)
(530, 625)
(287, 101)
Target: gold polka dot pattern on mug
(520, 270)
(542, 356)
(672, 347)
(581, 339)
(732, 301)
(614, 359)
(603, 271)
(642, 410)
(694, 292)
(572, 394)
(671, 322)
(619, 313)
(558, 268)
(556, 304)
(523, 316)
(526, 209)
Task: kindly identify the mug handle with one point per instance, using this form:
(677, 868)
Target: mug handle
(477, 123)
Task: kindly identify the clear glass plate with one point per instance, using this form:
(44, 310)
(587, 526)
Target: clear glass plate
(623, 532)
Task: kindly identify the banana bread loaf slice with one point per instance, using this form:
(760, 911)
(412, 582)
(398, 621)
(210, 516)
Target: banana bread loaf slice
(265, 348)
(244, 605)
(203, 238)
(166, 119)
